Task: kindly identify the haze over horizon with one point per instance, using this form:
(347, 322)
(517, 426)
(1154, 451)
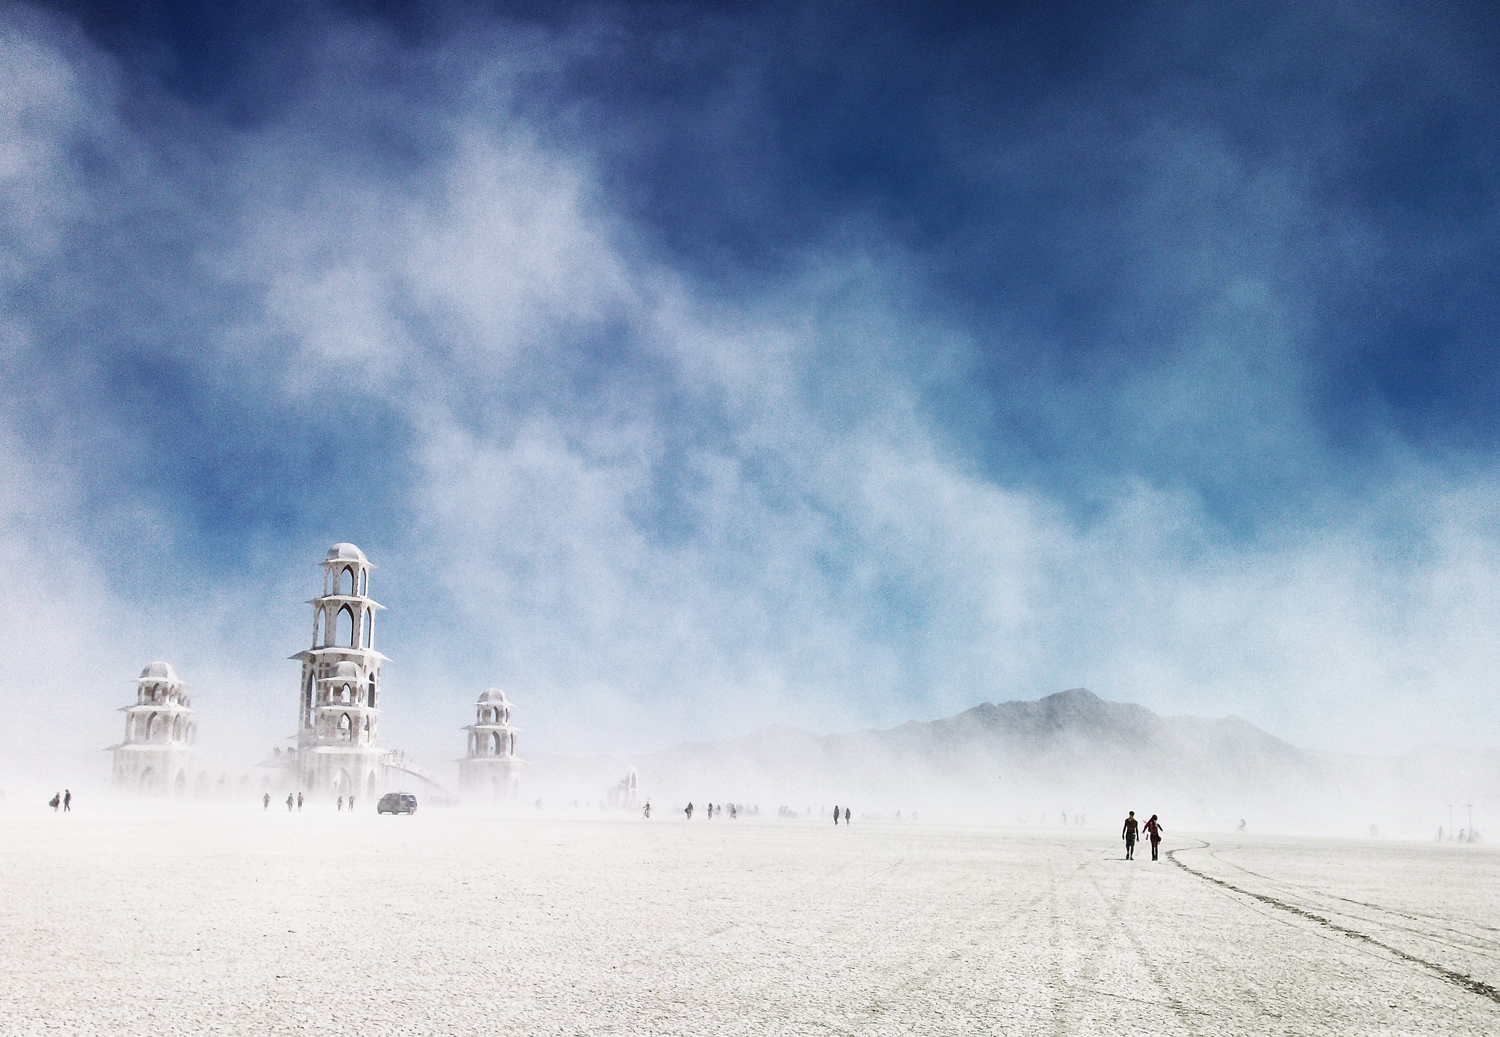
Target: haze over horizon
(689, 368)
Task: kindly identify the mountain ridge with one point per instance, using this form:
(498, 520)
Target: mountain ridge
(1069, 754)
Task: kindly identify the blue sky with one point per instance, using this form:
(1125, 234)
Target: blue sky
(688, 368)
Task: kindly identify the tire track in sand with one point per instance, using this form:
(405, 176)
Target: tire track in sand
(1459, 979)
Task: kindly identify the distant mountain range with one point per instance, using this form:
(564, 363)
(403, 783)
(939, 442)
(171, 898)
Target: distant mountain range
(1070, 755)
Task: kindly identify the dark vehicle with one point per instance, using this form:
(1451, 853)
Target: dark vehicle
(397, 803)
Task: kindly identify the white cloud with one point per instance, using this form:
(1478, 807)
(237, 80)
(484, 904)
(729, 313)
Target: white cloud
(653, 512)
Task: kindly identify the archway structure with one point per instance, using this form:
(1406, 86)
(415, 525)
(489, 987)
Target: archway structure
(160, 731)
(491, 767)
(338, 716)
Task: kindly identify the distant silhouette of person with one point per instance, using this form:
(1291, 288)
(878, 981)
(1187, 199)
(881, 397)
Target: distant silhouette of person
(835, 813)
(67, 801)
(288, 802)
(54, 801)
(689, 811)
(647, 811)
(733, 812)
(846, 817)
(351, 804)
(1154, 830)
(299, 801)
(266, 799)
(1129, 833)
(1242, 825)
(341, 804)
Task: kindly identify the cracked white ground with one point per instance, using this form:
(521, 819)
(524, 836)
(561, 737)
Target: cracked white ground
(250, 922)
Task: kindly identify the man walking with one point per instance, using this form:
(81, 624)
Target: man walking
(1128, 833)
(67, 801)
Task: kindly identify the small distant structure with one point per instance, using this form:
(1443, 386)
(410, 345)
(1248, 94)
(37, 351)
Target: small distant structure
(158, 753)
(624, 794)
(491, 767)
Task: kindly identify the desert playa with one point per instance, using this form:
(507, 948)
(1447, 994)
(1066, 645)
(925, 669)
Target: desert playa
(448, 922)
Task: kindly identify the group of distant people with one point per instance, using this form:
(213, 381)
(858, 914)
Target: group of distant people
(708, 811)
(836, 814)
(1465, 835)
(295, 801)
(1131, 834)
(63, 798)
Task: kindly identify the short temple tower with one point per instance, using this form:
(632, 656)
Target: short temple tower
(339, 717)
(160, 730)
(491, 767)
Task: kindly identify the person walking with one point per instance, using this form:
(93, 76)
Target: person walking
(299, 802)
(266, 799)
(835, 813)
(288, 802)
(341, 804)
(1154, 831)
(689, 811)
(351, 804)
(1128, 833)
(648, 810)
(846, 817)
(67, 801)
(54, 801)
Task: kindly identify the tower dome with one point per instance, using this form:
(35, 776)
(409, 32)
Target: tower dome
(347, 553)
(159, 672)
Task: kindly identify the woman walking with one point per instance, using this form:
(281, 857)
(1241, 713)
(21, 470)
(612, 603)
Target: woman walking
(1153, 832)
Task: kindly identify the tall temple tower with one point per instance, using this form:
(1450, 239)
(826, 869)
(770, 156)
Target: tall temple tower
(339, 719)
(491, 767)
(158, 752)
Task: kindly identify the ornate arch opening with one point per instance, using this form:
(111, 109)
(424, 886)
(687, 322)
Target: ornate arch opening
(345, 727)
(345, 631)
